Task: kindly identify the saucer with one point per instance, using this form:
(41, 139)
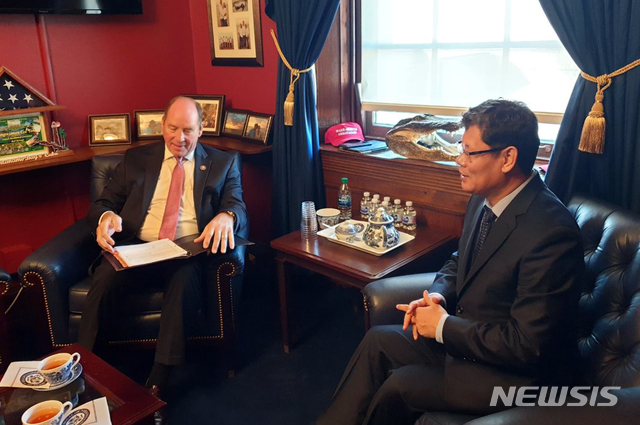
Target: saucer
(75, 372)
(77, 417)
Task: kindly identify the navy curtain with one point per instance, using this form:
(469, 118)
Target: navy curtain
(303, 26)
(601, 37)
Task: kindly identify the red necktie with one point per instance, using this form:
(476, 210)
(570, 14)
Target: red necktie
(171, 210)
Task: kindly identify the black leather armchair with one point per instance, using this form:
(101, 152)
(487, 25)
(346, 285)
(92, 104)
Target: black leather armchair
(58, 271)
(610, 320)
(5, 287)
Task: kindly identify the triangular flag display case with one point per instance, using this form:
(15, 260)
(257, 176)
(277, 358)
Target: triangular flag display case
(24, 122)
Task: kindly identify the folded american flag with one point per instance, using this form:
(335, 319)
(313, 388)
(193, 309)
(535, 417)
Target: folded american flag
(15, 94)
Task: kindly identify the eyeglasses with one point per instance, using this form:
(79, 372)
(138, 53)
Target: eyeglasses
(466, 155)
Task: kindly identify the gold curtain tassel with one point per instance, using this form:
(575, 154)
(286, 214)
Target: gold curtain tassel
(288, 107)
(592, 137)
(289, 102)
(593, 130)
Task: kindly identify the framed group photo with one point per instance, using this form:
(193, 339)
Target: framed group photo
(109, 129)
(148, 124)
(235, 32)
(258, 127)
(234, 122)
(212, 110)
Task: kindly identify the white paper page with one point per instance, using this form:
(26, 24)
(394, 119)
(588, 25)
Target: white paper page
(150, 252)
(23, 375)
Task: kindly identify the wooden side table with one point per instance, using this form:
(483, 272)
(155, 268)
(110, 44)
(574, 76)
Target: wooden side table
(346, 265)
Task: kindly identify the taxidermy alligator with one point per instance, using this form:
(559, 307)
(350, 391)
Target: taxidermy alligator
(416, 138)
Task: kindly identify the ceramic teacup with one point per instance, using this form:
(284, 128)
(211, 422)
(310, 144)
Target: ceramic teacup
(50, 412)
(347, 231)
(328, 217)
(57, 368)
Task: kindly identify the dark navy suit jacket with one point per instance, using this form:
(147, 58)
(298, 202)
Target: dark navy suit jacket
(217, 187)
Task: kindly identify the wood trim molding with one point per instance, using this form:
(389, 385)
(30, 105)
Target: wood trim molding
(335, 71)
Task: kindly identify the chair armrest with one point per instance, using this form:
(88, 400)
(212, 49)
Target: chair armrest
(56, 266)
(625, 411)
(65, 258)
(235, 257)
(381, 296)
(5, 281)
(4, 276)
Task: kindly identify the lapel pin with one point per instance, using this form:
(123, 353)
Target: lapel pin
(203, 167)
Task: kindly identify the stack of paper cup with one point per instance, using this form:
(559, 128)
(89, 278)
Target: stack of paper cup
(308, 223)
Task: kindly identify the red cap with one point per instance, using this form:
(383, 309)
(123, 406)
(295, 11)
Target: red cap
(344, 132)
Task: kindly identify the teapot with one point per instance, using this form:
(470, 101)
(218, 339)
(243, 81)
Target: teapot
(380, 232)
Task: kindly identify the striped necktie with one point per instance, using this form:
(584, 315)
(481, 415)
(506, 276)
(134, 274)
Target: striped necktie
(488, 217)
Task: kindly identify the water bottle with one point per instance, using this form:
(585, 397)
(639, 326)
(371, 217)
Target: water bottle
(364, 206)
(409, 221)
(397, 213)
(344, 200)
(386, 207)
(388, 199)
(373, 206)
(375, 203)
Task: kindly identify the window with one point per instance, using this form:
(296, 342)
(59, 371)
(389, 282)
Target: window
(443, 56)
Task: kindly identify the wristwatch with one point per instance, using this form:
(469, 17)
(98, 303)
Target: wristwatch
(232, 214)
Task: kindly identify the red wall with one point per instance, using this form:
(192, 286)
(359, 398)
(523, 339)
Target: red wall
(252, 88)
(110, 64)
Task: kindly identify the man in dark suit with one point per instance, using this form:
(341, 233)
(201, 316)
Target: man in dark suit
(164, 190)
(500, 312)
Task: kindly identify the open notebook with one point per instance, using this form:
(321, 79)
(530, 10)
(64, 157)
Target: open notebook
(128, 256)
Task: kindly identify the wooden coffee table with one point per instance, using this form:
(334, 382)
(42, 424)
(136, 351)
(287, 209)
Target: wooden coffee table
(129, 403)
(346, 265)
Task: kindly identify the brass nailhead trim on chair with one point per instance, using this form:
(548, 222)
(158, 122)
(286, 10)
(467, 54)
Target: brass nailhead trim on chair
(46, 302)
(28, 283)
(6, 289)
(230, 275)
(196, 337)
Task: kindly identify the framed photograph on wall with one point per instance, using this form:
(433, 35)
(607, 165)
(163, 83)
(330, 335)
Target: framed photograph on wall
(109, 129)
(235, 33)
(212, 110)
(234, 122)
(258, 127)
(148, 124)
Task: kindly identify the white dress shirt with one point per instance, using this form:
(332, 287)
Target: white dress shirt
(187, 223)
